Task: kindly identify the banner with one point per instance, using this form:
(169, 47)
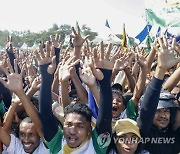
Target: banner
(162, 12)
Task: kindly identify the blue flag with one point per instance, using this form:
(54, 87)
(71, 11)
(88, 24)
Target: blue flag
(92, 104)
(178, 39)
(158, 32)
(142, 35)
(168, 34)
(107, 24)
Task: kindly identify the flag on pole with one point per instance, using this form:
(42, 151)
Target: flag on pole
(149, 40)
(111, 36)
(130, 43)
(168, 34)
(94, 108)
(124, 39)
(107, 24)
(142, 35)
(158, 32)
(177, 39)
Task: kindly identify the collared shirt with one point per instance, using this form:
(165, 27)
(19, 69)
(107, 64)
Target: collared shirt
(16, 147)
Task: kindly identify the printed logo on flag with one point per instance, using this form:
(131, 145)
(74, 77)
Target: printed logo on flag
(104, 140)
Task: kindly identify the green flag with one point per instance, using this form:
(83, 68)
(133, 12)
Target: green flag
(149, 40)
(164, 14)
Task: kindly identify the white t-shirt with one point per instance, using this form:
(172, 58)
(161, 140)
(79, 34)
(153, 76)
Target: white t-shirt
(16, 147)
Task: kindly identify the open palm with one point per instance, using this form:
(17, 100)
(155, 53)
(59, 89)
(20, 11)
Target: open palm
(14, 79)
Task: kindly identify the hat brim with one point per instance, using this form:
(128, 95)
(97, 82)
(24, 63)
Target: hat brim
(128, 131)
(166, 104)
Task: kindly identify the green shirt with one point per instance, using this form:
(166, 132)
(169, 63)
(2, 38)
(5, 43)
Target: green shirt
(131, 110)
(55, 145)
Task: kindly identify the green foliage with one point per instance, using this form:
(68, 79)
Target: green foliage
(3, 36)
(87, 31)
(65, 30)
(29, 37)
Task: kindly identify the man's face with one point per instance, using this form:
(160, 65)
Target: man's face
(76, 129)
(162, 118)
(29, 137)
(117, 105)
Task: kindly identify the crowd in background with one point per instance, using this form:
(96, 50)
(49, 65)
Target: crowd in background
(87, 99)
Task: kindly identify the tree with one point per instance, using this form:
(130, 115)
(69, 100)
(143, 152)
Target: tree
(55, 27)
(3, 36)
(19, 37)
(87, 31)
(65, 30)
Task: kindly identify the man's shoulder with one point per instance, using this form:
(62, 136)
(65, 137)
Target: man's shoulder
(15, 145)
(41, 149)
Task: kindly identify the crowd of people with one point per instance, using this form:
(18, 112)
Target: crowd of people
(87, 99)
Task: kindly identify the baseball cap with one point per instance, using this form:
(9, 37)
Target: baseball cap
(124, 126)
(117, 86)
(166, 100)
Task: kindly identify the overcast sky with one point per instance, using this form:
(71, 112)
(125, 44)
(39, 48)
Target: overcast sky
(38, 15)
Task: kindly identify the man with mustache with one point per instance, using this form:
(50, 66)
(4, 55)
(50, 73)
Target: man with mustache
(157, 113)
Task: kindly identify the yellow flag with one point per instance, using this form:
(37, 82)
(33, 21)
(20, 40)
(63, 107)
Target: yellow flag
(124, 39)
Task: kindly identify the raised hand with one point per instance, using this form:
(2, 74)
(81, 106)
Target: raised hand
(56, 41)
(48, 57)
(66, 52)
(9, 46)
(3, 62)
(166, 58)
(88, 49)
(103, 60)
(29, 64)
(14, 79)
(36, 83)
(64, 69)
(86, 74)
(89, 64)
(77, 38)
(122, 62)
(141, 59)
